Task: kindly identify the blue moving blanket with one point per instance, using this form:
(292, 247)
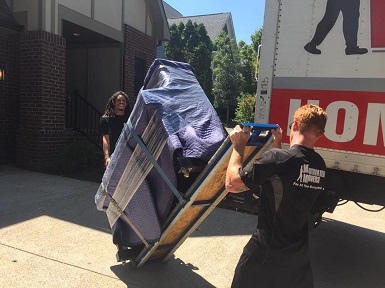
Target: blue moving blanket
(174, 118)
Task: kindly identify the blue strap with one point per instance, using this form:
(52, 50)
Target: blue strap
(153, 161)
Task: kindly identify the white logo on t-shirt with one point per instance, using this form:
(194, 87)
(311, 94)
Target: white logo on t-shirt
(308, 176)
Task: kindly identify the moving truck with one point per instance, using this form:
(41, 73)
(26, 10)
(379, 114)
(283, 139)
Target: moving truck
(330, 53)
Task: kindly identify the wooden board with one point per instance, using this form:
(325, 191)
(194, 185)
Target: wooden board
(202, 197)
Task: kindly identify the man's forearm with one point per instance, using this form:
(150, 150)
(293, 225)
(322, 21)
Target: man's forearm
(234, 182)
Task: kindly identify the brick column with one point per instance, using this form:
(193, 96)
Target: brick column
(42, 100)
(9, 116)
(140, 45)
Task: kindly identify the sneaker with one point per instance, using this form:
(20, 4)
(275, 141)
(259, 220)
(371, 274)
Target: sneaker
(311, 48)
(355, 50)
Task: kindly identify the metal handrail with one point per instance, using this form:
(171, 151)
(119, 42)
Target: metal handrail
(82, 116)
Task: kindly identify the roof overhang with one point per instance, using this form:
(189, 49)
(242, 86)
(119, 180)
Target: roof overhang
(159, 21)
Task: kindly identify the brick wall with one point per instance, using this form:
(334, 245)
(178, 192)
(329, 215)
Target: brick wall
(136, 44)
(32, 98)
(9, 117)
(42, 133)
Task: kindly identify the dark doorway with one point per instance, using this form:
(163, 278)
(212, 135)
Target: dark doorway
(140, 74)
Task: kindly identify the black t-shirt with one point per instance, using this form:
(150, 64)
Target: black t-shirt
(112, 126)
(290, 182)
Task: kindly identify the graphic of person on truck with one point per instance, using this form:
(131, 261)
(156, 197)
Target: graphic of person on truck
(351, 12)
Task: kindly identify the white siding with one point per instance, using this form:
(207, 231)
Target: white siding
(83, 6)
(47, 15)
(149, 26)
(135, 14)
(32, 8)
(297, 28)
(109, 13)
(106, 12)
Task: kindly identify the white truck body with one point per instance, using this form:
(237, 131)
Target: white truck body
(351, 88)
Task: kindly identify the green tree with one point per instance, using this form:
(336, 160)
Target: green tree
(245, 108)
(190, 43)
(248, 64)
(174, 48)
(256, 39)
(228, 79)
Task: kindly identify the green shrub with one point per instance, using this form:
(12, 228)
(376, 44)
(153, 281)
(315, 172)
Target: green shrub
(78, 156)
(245, 108)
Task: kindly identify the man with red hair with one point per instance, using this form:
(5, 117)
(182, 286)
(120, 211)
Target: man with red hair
(290, 181)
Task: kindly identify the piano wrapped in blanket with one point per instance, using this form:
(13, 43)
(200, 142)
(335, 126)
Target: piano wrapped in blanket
(172, 123)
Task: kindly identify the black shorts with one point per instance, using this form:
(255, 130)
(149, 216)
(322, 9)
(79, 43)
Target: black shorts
(252, 273)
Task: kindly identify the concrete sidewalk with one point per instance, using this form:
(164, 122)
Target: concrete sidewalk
(52, 235)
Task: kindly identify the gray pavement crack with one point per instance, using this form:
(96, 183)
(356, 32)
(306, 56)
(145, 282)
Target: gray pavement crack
(58, 261)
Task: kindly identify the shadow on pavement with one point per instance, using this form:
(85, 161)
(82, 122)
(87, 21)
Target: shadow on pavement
(342, 255)
(26, 195)
(173, 273)
(345, 255)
